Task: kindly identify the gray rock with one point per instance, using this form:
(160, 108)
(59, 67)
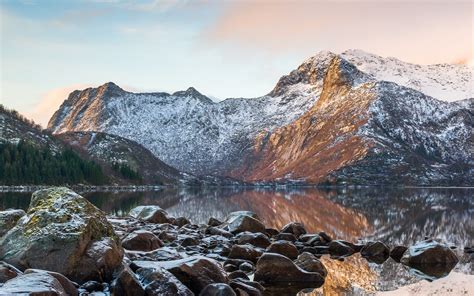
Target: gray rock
(8, 220)
(35, 283)
(245, 223)
(160, 282)
(64, 233)
(152, 214)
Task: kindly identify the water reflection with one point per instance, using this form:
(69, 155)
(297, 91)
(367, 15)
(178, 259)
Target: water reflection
(394, 216)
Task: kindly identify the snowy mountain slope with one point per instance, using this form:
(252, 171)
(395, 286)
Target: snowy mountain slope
(445, 82)
(325, 120)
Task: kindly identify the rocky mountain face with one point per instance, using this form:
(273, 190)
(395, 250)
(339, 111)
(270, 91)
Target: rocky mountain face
(350, 118)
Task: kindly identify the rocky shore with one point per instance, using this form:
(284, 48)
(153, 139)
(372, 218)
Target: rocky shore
(64, 245)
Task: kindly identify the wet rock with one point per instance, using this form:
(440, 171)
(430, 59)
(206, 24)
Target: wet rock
(340, 248)
(214, 222)
(245, 223)
(397, 252)
(141, 240)
(284, 248)
(428, 252)
(376, 252)
(189, 241)
(127, 284)
(7, 272)
(68, 286)
(217, 231)
(217, 290)
(247, 267)
(159, 282)
(195, 272)
(295, 228)
(276, 269)
(8, 219)
(152, 214)
(326, 238)
(167, 236)
(309, 262)
(238, 274)
(317, 251)
(236, 214)
(181, 221)
(35, 283)
(65, 233)
(245, 252)
(285, 236)
(230, 267)
(248, 287)
(92, 286)
(256, 239)
(270, 232)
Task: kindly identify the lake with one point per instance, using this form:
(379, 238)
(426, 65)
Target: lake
(392, 215)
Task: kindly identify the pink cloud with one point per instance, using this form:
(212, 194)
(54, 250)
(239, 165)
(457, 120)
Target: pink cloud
(420, 32)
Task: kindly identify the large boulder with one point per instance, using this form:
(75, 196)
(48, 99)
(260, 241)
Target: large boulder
(275, 269)
(195, 272)
(309, 262)
(127, 284)
(8, 220)
(245, 223)
(429, 252)
(256, 239)
(245, 252)
(64, 233)
(152, 214)
(68, 286)
(141, 240)
(36, 283)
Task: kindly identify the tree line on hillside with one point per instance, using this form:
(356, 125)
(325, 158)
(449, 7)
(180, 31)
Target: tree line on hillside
(24, 163)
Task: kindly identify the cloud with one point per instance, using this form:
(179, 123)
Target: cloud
(420, 31)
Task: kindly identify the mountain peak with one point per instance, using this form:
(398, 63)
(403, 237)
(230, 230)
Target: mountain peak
(192, 92)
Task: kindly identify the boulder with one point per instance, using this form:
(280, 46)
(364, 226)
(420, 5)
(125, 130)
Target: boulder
(245, 223)
(68, 286)
(285, 236)
(196, 272)
(340, 248)
(160, 282)
(245, 252)
(152, 214)
(127, 284)
(295, 228)
(275, 269)
(214, 222)
(397, 252)
(217, 231)
(36, 283)
(217, 290)
(8, 220)
(429, 252)
(256, 239)
(7, 272)
(141, 240)
(284, 248)
(236, 214)
(309, 262)
(376, 252)
(246, 286)
(64, 233)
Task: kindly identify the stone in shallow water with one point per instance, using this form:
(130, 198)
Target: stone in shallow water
(429, 252)
(340, 248)
(141, 240)
(8, 220)
(152, 214)
(376, 252)
(35, 283)
(278, 270)
(217, 290)
(397, 252)
(65, 233)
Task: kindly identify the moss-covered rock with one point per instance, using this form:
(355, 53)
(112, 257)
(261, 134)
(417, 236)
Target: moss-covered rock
(65, 233)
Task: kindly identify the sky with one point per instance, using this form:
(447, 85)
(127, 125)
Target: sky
(222, 48)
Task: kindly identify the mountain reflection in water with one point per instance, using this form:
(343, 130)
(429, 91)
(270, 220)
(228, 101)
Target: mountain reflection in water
(394, 216)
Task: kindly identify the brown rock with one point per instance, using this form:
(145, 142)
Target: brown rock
(295, 228)
(284, 248)
(141, 240)
(245, 252)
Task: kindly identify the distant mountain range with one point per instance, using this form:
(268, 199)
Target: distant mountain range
(350, 118)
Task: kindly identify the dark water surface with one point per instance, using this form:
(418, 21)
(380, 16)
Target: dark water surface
(394, 216)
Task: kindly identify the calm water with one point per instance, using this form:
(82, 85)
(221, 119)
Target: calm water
(394, 216)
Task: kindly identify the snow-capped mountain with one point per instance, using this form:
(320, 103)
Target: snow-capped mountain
(353, 117)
